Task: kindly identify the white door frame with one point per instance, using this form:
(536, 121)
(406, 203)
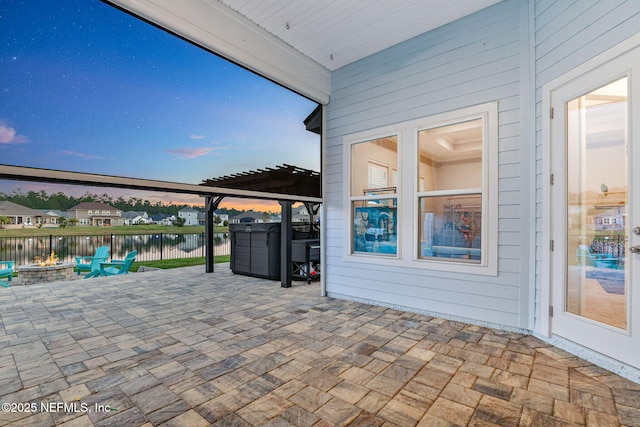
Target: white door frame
(545, 284)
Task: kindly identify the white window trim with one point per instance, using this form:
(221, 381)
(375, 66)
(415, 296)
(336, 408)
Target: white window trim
(408, 238)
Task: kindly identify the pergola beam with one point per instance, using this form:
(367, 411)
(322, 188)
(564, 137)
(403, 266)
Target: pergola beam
(23, 173)
(282, 179)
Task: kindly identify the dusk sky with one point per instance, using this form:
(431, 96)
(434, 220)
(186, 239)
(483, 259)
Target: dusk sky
(88, 88)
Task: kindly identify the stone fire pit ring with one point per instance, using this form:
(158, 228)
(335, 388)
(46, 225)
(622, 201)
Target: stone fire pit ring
(34, 273)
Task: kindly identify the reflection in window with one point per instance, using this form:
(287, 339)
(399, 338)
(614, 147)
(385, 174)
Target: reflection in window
(374, 228)
(374, 185)
(450, 192)
(451, 228)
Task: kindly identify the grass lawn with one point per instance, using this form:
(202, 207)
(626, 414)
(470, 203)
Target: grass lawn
(101, 231)
(177, 263)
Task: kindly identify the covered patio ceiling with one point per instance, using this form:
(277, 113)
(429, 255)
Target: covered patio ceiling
(337, 33)
(298, 43)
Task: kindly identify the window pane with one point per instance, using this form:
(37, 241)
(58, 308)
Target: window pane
(450, 228)
(375, 226)
(597, 282)
(450, 157)
(373, 166)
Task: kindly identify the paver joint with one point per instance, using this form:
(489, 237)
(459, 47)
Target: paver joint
(186, 348)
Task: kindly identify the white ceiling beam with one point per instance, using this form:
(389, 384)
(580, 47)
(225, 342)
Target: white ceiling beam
(218, 28)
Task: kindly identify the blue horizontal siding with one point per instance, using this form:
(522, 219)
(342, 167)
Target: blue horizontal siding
(471, 61)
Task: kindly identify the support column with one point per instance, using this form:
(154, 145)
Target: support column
(211, 204)
(286, 235)
(313, 209)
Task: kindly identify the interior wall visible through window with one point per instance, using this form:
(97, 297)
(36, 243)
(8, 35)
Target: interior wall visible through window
(450, 199)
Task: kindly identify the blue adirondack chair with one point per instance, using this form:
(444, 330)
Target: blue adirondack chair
(118, 266)
(6, 269)
(91, 264)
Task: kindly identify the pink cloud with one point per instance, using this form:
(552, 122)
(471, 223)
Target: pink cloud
(8, 135)
(191, 153)
(82, 155)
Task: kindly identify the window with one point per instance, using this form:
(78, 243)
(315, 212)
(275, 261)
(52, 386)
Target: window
(374, 199)
(90, 213)
(452, 188)
(450, 205)
(440, 213)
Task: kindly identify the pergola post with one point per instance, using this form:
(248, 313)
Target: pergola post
(211, 204)
(313, 209)
(286, 235)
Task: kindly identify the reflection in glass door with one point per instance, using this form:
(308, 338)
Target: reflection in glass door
(596, 285)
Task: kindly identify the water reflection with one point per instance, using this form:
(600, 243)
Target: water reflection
(150, 247)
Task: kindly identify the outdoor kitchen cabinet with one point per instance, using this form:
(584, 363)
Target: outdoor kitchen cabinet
(255, 250)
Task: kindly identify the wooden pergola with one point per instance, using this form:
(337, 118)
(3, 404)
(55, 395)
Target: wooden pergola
(285, 179)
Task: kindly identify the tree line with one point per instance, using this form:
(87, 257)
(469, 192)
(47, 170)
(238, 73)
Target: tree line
(60, 201)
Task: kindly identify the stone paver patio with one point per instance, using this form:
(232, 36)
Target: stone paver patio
(185, 348)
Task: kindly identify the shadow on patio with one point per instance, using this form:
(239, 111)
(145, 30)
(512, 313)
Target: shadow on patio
(185, 348)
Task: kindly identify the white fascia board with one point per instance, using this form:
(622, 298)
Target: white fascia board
(220, 29)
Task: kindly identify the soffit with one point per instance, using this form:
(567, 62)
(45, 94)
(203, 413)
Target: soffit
(335, 33)
(321, 35)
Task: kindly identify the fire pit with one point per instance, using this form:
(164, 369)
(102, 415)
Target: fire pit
(45, 270)
(36, 273)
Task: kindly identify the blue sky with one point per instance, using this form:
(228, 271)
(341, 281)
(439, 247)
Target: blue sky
(88, 88)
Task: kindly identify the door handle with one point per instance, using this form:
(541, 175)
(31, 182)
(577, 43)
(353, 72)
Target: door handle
(634, 249)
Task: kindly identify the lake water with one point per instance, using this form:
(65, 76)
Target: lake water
(150, 247)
